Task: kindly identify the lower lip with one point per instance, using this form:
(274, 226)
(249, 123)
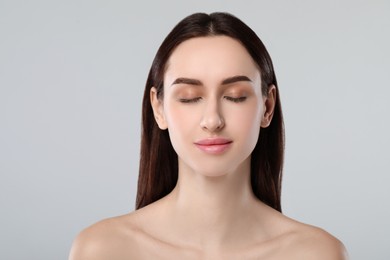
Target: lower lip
(214, 149)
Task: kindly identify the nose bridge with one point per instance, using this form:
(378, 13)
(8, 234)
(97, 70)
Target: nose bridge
(212, 116)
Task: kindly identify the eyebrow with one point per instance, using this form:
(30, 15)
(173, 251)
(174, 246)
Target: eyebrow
(235, 79)
(226, 81)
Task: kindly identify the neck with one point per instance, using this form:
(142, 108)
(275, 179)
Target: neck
(214, 210)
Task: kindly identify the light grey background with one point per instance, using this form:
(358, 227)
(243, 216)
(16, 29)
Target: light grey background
(72, 75)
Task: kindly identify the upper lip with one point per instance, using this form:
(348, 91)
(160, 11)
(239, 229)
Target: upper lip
(213, 141)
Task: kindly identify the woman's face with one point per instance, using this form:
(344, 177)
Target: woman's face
(213, 106)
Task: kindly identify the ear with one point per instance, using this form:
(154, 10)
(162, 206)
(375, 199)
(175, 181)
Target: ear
(269, 106)
(158, 109)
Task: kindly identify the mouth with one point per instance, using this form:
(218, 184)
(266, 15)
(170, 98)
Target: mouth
(214, 145)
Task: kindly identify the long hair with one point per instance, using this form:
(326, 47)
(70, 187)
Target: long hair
(158, 172)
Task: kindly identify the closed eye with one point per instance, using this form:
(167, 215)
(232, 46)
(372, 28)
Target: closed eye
(190, 100)
(236, 99)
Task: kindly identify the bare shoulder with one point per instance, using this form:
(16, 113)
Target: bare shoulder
(111, 238)
(309, 242)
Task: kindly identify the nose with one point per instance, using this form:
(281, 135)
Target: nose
(212, 120)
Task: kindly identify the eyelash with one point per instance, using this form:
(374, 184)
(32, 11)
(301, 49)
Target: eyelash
(236, 100)
(192, 100)
(197, 99)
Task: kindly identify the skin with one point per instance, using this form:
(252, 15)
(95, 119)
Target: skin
(212, 212)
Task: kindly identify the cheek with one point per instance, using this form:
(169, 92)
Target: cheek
(179, 119)
(250, 125)
(182, 127)
(247, 116)
(247, 123)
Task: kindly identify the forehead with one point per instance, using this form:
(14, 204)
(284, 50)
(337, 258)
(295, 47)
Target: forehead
(212, 58)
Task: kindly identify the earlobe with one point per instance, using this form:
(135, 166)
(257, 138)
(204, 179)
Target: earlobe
(269, 107)
(158, 111)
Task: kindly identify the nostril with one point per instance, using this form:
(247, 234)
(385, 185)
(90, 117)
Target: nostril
(213, 124)
(212, 118)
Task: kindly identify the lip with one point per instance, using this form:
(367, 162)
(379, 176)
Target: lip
(214, 145)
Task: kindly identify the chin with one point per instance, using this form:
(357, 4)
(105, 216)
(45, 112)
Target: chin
(213, 173)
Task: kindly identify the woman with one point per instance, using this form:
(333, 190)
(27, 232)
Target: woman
(211, 157)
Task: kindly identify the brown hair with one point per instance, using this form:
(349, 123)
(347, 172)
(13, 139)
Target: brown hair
(158, 170)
